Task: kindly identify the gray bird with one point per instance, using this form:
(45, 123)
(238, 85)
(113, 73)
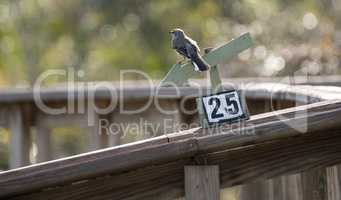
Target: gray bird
(188, 48)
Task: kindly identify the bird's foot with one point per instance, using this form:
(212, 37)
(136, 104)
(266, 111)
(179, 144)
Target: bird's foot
(181, 62)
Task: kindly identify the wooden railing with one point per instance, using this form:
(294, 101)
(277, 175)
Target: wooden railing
(19, 111)
(264, 147)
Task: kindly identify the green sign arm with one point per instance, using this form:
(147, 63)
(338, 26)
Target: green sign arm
(179, 74)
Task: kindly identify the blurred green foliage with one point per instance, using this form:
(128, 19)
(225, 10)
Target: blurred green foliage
(4, 148)
(69, 141)
(102, 37)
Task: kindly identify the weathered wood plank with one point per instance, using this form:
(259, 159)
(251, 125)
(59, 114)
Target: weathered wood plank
(238, 165)
(44, 144)
(334, 182)
(278, 188)
(313, 181)
(20, 138)
(244, 129)
(59, 172)
(256, 190)
(153, 182)
(202, 182)
(321, 116)
(97, 139)
(314, 184)
(287, 156)
(300, 122)
(43, 138)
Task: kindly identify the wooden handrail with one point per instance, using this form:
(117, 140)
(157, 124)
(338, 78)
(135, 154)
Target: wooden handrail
(145, 159)
(253, 88)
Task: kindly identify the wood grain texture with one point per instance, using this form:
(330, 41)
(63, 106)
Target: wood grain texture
(274, 148)
(256, 190)
(58, 172)
(153, 182)
(239, 165)
(334, 182)
(311, 184)
(314, 183)
(202, 182)
(279, 188)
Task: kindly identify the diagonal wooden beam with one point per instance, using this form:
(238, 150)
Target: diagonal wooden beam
(179, 74)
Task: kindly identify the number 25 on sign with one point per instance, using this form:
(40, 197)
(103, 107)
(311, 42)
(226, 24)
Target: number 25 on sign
(223, 107)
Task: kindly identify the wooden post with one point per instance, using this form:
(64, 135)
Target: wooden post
(202, 182)
(114, 138)
(279, 188)
(43, 138)
(256, 190)
(97, 139)
(20, 138)
(43, 141)
(314, 183)
(334, 182)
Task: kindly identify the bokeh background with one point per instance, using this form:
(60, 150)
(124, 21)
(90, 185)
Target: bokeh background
(102, 37)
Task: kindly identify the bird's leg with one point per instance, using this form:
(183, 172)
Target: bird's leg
(181, 61)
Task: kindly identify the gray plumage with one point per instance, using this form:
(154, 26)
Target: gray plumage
(189, 49)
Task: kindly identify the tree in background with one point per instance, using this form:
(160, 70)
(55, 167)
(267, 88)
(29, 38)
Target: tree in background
(102, 37)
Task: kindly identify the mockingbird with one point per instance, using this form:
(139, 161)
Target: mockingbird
(188, 48)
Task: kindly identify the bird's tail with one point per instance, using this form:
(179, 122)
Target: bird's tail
(199, 63)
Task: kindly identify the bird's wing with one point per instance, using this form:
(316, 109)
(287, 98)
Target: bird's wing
(194, 43)
(182, 51)
(191, 50)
